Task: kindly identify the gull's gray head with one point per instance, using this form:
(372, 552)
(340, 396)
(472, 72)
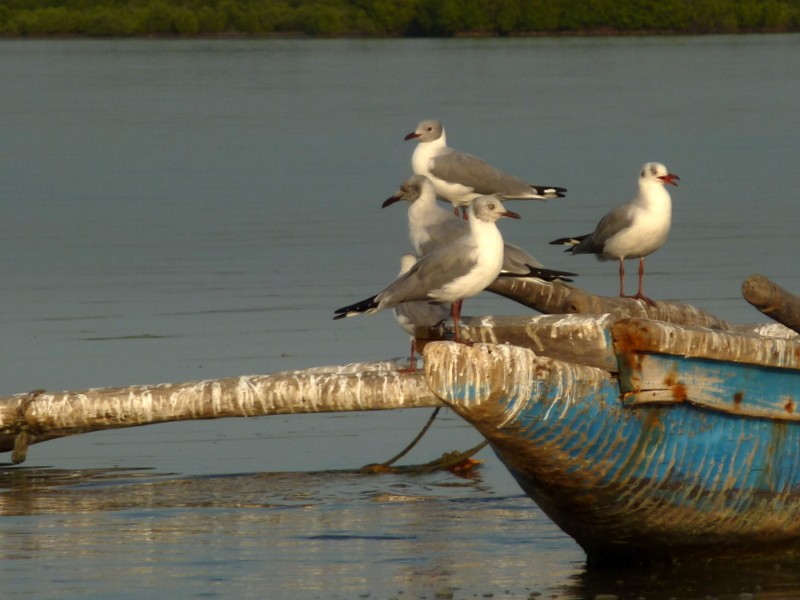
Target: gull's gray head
(411, 190)
(655, 171)
(489, 209)
(426, 131)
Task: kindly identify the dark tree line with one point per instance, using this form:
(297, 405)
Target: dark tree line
(392, 17)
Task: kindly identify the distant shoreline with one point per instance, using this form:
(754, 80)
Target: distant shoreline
(299, 35)
(391, 19)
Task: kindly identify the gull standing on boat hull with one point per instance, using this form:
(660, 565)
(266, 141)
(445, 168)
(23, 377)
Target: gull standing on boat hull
(632, 230)
(460, 178)
(458, 270)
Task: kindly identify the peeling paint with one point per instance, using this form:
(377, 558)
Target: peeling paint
(642, 336)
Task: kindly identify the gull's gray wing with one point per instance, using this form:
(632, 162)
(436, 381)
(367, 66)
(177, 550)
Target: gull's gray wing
(444, 232)
(411, 315)
(475, 173)
(432, 272)
(516, 261)
(615, 221)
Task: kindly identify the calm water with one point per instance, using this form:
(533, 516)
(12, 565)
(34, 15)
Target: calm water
(175, 210)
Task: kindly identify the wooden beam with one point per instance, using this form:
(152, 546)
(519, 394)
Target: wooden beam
(557, 297)
(543, 296)
(35, 417)
(578, 339)
(772, 300)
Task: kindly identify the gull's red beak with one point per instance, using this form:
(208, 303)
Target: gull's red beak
(670, 178)
(511, 215)
(411, 136)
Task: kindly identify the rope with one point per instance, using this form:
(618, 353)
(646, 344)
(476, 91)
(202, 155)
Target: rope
(448, 461)
(414, 442)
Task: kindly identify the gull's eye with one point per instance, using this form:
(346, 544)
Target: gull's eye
(653, 170)
(491, 206)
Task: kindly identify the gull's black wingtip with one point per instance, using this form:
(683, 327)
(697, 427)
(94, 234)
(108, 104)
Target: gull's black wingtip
(562, 241)
(549, 191)
(552, 275)
(544, 274)
(355, 309)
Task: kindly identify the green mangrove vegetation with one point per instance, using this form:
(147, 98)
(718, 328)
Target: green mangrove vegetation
(391, 17)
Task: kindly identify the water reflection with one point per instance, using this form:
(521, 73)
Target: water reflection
(323, 535)
(40, 491)
(777, 577)
(31, 491)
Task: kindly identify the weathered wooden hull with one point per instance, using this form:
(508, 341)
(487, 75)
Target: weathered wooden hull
(631, 478)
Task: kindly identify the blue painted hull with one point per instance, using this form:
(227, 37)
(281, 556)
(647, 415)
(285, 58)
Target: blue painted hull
(668, 480)
(632, 480)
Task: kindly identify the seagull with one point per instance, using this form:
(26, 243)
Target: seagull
(410, 315)
(430, 226)
(458, 270)
(632, 230)
(459, 177)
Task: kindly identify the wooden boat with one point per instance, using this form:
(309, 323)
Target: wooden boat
(644, 432)
(642, 439)
(664, 454)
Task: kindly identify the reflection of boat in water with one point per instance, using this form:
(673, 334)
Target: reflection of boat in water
(745, 579)
(643, 432)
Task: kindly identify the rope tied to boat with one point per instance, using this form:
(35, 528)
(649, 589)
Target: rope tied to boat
(22, 428)
(457, 462)
(413, 442)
